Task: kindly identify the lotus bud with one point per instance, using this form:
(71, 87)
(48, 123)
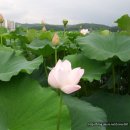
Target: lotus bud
(1, 18)
(44, 29)
(84, 31)
(55, 39)
(42, 22)
(65, 22)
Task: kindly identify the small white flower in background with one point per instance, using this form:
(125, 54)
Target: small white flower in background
(63, 77)
(84, 31)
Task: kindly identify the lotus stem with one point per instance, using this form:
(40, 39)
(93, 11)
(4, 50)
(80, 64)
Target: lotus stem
(14, 44)
(55, 55)
(60, 110)
(60, 102)
(114, 81)
(1, 40)
(129, 78)
(64, 30)
(44, 62)
(10, 41)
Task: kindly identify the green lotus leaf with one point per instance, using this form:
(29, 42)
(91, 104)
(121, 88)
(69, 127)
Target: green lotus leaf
(46, 35)
(31, 34)
(117, 108)
(93, 69)
(124, 23)
(41, 47)
(105, 32)
(12, 62)
(83, 114)
(99, 47)
(3, 30)
(25, 105)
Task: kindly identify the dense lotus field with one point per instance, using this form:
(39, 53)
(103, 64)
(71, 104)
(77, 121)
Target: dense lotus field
(66, 80)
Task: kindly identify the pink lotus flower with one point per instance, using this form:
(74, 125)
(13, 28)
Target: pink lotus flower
(63, 77)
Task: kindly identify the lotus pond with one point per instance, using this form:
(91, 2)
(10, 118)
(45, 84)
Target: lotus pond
(65, 80)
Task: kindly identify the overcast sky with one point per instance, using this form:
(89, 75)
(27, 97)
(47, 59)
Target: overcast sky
(53, 11)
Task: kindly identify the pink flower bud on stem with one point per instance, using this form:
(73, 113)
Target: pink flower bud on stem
(55, 39)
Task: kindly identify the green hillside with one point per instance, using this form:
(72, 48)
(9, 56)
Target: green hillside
(69, 27)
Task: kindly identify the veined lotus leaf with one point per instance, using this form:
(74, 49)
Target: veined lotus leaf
(124, 23)
(99, 47)
(93, 69)
(46, 35)
(117, 108)
(31, 34)
(25, 105)
(3, 30)
(41, 47)
(83, 114)
(12, 62)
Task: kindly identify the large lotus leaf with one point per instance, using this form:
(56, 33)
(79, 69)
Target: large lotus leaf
(46, 35)
(31, 34)
(124, 22)
(20, 31)
(99, 47)
(117, 108)
(83, 114)
(41, 47)
(93, 69)
(25, 105)
(3, 30)
(105, 32)
(12, 62)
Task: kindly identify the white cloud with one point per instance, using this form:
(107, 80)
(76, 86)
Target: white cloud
(95, 11)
